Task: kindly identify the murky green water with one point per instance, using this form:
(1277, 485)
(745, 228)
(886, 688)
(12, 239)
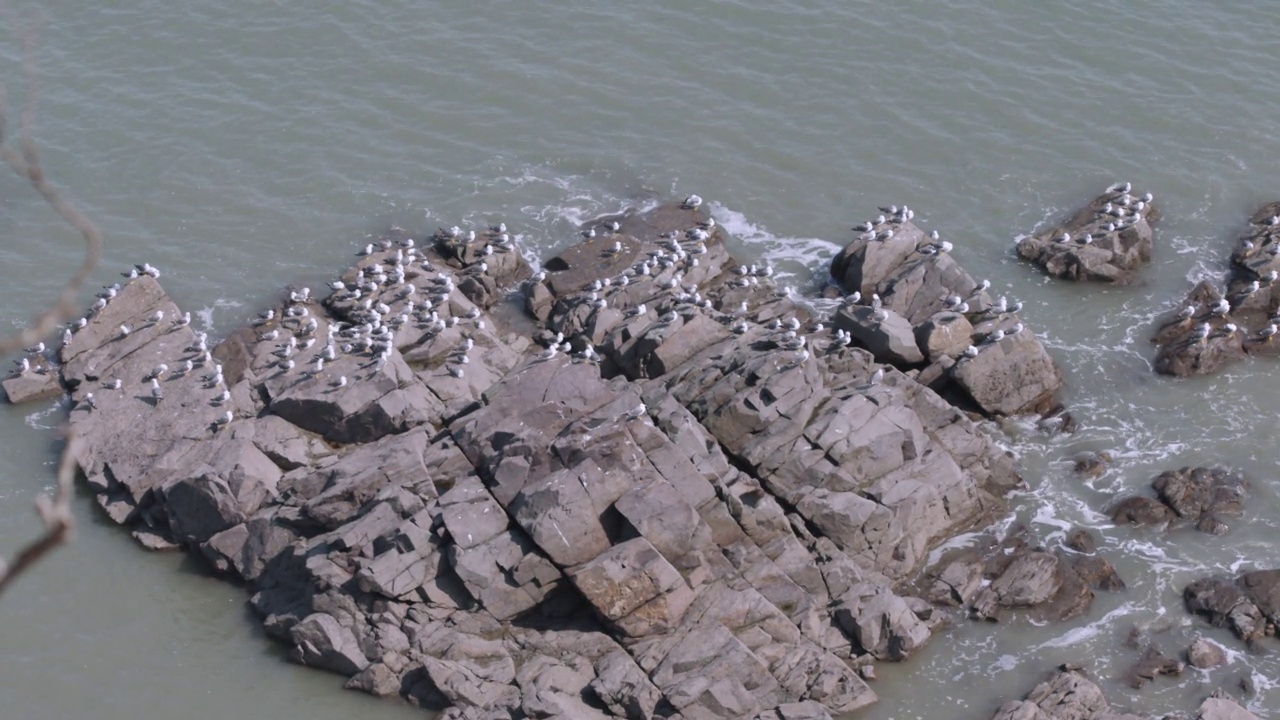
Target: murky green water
(240, 146)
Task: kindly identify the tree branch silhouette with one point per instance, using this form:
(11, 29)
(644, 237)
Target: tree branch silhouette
(56, 514)
(23, 157)
(25, 161)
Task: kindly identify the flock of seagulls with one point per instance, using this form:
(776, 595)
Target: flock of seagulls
(197, 354)
(1120, 211)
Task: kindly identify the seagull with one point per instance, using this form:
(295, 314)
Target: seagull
(157, 371)
(995, 336)
(113, 384)
(124, 331)
(1064, 237)
(182, 320)
(90, 402)
(340, 382)
(1187, 312)
(1222, 307)
(971, 351)
(66, 336)
(36, 349)
(1120, 187)
(691, 202)
(222, 397)
(876, 377)
(156, 391)
(224, 418)
(1268, 331)
(548, 353)
(1203, 330)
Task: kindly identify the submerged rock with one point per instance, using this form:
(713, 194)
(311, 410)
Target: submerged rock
(1067, 695)
(1202, 496)
(1249, 604)
(1105, 241)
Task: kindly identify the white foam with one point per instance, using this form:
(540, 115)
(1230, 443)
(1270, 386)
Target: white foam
(789, 254)
(1077, 635)
(33, 420)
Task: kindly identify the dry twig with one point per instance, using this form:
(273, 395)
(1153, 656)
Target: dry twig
(25, 161)
(56, 513)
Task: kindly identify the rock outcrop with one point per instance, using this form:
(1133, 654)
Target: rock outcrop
(1214, 327)
(1014, 574)
(1249, 605)
(1067, 695)
(1105, 241)
(1203, 496)
(910, 303)
(692, 499)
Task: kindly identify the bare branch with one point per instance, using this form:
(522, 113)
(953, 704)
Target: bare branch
(56, 514)
(25, 161)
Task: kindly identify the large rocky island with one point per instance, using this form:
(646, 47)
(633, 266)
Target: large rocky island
(682, 494)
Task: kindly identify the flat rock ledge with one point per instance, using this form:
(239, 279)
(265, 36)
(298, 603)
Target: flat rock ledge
(912, 305)
(1070, 695)
(1105, 241)
(680, 498)
(1203, 496)
(1214, 327)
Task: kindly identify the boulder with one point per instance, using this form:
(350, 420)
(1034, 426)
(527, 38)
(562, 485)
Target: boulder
(885, 333)
(37, 383)
(1152, 663)
(1223, 708)
(1013, 375)
(1247, 604)
(1105, 241)
(1067, 695)
(1201, 342)
(1205, 654)
(321, 641)
(946, 334)
(1203, 496)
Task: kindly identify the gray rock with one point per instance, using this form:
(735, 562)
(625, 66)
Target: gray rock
(321, 641)
(1185, 351)
(632, 586)
(38, 383)
(624, 688)
(888, 335)
(1111, 256)
(1205, 654)
(1013, 376)
(1222, 708)
(1246, 604)
(1065, 696)
(882, 623)
(946, 334)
